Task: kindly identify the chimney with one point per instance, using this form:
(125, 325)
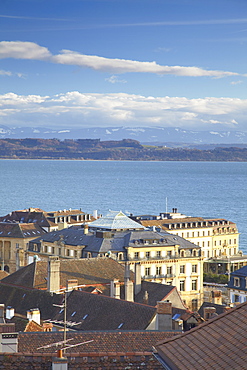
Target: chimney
(85, 229)
(10, 312)
(164, 316)
(47, 326)
(20, 258)
(34, 315)
(95, 214)
(216, 296)
(128, 285)
(145, 298)
(209, 313)
(72, 284)
(115, 289)
(53, 281)
(2, 320)
(138, 279)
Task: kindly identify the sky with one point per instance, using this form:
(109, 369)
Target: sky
(132, 63)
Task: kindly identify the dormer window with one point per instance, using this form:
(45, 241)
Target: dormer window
(236, 281)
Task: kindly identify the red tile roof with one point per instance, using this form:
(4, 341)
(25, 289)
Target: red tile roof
(100, 341)
(220, 343)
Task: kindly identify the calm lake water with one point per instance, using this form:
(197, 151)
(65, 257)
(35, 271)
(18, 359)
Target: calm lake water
(207, 189)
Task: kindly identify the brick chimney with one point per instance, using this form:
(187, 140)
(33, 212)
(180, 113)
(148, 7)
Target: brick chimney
(72, 284)
(209, 313)
(128, 285)
(53, 281)
(2, 320)
(164, 316)
(145, 298)
(138, 278)
(85, 229)
(34, 315)
(10, 312)
(115, 289)
(216, 296)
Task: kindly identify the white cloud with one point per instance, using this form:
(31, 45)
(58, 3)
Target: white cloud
(30, 50)
(114, 79)
(122, 109)
(236, 82)
(23, 50)
(5, 73)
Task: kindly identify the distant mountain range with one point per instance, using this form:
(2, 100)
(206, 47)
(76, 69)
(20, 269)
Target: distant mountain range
(171, 137)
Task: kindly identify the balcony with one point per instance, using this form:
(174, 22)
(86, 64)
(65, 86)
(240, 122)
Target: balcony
(161, 276)
(154, 258)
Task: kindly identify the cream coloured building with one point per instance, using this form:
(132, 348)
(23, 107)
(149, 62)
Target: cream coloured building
(163, 257)
(217, 237)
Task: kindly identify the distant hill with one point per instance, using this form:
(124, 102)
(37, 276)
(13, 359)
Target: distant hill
(168, 136)
(126, 149)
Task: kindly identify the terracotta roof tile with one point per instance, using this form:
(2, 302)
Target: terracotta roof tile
(103, 341)
(219, 343)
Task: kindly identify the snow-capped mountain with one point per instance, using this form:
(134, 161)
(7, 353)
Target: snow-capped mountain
(155, 135)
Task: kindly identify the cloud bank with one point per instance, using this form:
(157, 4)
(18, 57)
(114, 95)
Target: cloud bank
(30, 50)
(75, 109)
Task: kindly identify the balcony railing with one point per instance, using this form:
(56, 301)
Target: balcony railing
(160, 276)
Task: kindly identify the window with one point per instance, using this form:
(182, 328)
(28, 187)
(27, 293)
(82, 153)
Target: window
(188, 234)
(67, 252)
(182, 286)
(147, 271)
(120, 256)
(52, 250)
(193, 234)
(236, 281)
(75, 254)
(147, 254)
(182, 269)
(169, 270)
(169, 253)
(158, 253)
(203, 244)
(198, 233)
(17, 245)
(194, 285)
(208, 243)
(194, 304)
(194, 268)
(45, 248)
(59, 251)
(158, 270)
(208, 232)
(136, 255)
(236, 298)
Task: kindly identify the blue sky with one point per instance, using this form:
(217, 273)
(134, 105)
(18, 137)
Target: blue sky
(79, 63)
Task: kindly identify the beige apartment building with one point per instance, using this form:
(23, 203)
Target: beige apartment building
(163, 257)
(217, 237)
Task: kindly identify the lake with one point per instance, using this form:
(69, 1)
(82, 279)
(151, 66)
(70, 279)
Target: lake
(207, 189)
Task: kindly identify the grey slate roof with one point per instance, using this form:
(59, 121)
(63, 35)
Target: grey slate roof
(115, 220)
(99, 312)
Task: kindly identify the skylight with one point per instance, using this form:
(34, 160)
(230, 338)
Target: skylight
(119, 326)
